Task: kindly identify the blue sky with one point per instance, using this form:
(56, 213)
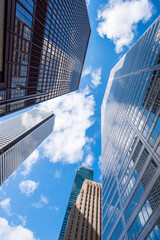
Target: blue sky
(34, 199)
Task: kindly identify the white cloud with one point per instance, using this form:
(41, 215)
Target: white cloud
(119, 18)
(29, 162)
(43, 201)
(57, 174)
(100, 162)
(89, 160)
(74, 113)
(23, 219)
(56, 208)
(86, 90)
(6, 205)
(87, 71)
(28, 187)
(96, 77)
(8, 232)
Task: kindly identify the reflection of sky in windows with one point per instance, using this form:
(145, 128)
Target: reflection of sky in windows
(155, 233)
(111, 222)
(21, 47)
(132, 99)
(23, 14)
(155, 133)
(145, 212)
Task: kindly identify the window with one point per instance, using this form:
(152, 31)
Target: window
(117, 231)
(145, 212)
(140, 221)
(131, 164)
(147, 176)
(158, 150)
(148, 125)
(112, 222)
(155, 133)
(155, 233)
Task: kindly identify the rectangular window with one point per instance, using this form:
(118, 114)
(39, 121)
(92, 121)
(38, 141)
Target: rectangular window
(155, 133)
(146, 211)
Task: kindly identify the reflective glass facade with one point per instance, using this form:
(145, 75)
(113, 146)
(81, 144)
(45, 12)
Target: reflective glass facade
(130, 118)
(45, 47)
(81, 174)
(20, 136)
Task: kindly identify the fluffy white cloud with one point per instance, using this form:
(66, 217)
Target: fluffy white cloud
(43, 201)
(8, 232)
(74, 113)
(119, 18)
(57, 174)
(89, 160)
(28, 187)
(95, 75)
(30, 161)
(6, 205)
(87, 71)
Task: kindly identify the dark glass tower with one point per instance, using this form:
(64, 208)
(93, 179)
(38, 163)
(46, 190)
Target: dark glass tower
(45, 43)
(82, 174)
(131, 143)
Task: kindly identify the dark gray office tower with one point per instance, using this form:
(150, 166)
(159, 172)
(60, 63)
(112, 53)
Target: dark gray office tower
(20, 136)
(81, 174)
(43, 44)
(131, 143)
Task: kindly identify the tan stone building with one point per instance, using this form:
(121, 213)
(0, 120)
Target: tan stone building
(85, 217)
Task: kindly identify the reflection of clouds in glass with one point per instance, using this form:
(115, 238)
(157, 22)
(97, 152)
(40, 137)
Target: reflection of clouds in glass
(32, 118)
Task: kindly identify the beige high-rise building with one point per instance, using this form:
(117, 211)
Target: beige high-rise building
(85, 217)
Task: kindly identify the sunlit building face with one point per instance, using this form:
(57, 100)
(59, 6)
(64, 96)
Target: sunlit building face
(20, 136)
(131, 143)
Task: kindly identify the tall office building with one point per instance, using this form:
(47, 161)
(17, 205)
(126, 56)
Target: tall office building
(81, 174)
(131, 143)
(43, 44)
(85, 217)
(20, 136)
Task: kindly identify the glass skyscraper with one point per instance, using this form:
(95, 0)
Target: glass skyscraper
(130, 117)
(45, 43)
(20, 136)
(81, 174)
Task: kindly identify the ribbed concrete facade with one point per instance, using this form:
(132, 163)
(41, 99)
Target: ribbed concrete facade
(85, 216)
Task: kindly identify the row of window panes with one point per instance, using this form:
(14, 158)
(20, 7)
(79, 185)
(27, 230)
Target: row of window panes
(138, 169)
(155, 233)
(131, 164)
(145, 212)
(110, 197)
(118, 230)
(140, 221)
(127, 158)
(112, 222)
(147, 177)
(110, 210)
